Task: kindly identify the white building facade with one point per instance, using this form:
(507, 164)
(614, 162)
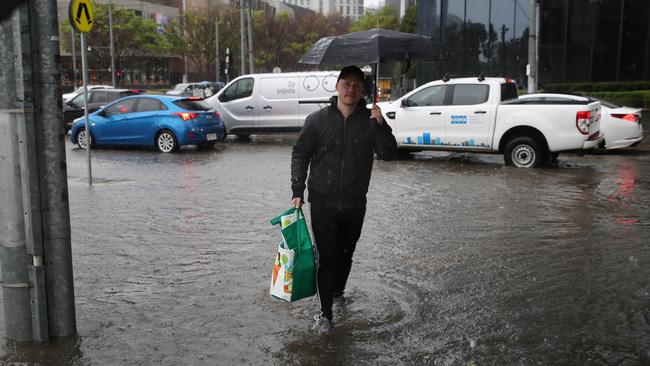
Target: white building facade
(352, 9)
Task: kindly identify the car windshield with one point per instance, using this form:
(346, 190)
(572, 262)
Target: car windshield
(78, 100)
(181, 86)
(192, 105)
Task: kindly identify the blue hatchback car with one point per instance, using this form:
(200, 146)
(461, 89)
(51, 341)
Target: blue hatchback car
(159, 121)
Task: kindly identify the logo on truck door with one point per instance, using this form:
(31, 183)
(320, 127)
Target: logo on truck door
(458, 120)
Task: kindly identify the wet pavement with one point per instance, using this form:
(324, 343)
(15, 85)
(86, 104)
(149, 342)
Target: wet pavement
(462, 261)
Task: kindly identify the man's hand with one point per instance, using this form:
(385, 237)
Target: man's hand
(376, 114)
(297, 202)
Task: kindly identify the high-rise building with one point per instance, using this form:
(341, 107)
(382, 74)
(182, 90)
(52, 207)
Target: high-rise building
(579, 40)
(352, 9)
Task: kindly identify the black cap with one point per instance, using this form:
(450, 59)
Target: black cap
(352, 71)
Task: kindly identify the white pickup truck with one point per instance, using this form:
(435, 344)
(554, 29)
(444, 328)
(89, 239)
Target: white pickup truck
(484, 115)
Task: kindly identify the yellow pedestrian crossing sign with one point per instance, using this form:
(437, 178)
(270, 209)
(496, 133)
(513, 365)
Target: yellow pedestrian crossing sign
(82, 15)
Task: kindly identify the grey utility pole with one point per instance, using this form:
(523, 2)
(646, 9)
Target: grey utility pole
(110, 33)
(242, 39)
(13, 247)
(532, 48)
(183, 25)
(35, 250)
(74, 59)
(251, 59)
(216, 48)
(84, 75)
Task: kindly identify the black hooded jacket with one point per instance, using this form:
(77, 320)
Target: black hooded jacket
(341, 152)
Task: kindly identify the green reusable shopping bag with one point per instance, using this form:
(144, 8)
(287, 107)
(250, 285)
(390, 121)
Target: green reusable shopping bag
(300, 280)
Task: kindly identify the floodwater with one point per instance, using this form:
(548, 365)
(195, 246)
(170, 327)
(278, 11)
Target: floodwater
(462, 261)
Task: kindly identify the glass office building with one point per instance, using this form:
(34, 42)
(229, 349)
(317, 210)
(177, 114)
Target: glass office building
(579, 40)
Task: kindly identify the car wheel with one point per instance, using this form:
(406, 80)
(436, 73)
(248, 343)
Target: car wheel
(243, 136)
(82, 141)
(166, 142)
(524, 152)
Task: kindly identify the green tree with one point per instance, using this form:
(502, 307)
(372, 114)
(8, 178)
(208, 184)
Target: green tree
(132, 36)
(281, 40)
(386, 17)
(193, 35)
(198, 41)
(409, 24)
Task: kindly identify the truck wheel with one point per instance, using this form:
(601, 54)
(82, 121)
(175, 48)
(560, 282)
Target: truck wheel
(524, 152)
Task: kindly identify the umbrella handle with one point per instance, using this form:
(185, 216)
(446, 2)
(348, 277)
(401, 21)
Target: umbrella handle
(376, 77)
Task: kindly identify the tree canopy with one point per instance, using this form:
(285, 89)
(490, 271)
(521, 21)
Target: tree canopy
(386, 17)
(132, 36)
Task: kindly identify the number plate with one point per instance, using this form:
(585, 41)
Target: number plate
(212, 136)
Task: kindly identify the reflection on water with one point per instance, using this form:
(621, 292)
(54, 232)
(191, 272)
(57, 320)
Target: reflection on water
(461, 260)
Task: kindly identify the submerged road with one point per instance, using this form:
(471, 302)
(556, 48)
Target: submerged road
(462, 261)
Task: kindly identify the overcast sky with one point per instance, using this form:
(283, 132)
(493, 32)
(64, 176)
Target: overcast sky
(372, 3)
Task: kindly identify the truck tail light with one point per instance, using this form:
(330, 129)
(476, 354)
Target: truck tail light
(583, 119)
(628, 117)
(186, 116)
(217, 114)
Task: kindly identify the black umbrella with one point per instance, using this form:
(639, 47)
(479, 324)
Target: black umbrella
(373, 46)
(369, 47)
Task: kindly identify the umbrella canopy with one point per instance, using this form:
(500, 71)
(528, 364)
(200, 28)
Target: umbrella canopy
(369, 47)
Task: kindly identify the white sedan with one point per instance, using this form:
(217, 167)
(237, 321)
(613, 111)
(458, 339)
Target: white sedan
(69, 96)
(620, 125)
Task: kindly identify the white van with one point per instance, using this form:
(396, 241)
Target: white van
(272, 103)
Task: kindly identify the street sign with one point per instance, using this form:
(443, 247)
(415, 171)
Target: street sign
(82, 15)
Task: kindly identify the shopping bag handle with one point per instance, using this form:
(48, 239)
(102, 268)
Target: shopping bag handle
(299, 215)
(276, 220)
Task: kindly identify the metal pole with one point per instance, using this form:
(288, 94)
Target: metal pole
(216, 49)
(185, 78)
(251, 59)
(110, 33)
(514, 37)
(84, 72)
(489, 55)
(464, 35)
(242, 40)
(537, 30)
(13, 251)
(52, 254)
(619, 48)
(532, 48)
(227, 65)
(74, 59)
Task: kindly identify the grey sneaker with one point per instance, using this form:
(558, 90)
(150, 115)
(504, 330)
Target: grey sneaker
(322, 325)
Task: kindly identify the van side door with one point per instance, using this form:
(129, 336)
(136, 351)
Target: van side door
(278, 103)
(469, 116)
(240, 106)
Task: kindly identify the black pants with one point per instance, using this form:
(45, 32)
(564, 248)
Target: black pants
(336, 233)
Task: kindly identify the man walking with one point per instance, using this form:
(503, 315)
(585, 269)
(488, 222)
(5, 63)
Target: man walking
(337, 145)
